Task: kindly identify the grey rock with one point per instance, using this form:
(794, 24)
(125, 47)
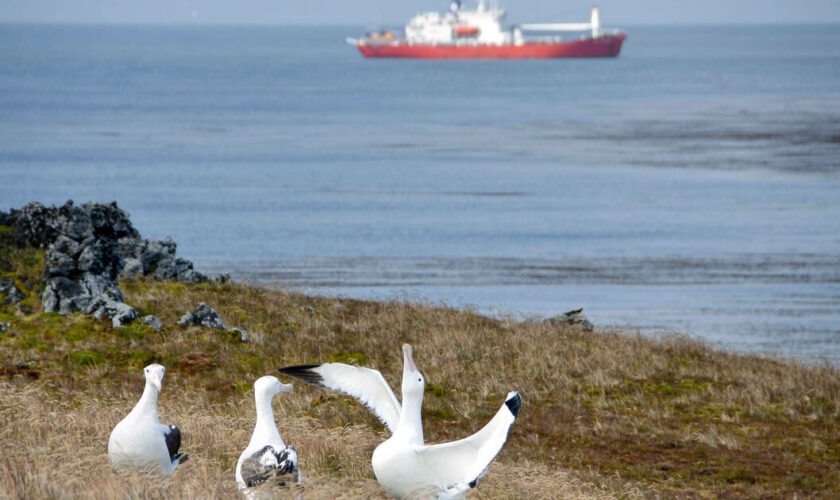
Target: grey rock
(186, 319)
(65, 245)
(152, 321)
(203, 315)
(12, 292)
(131, 269)
(63, 295)
(92, 259)
(57, 264)
(4, 327)
(119, 312)
(98, 285)
(222, 278)
(574, 317)
(35, 225)
(243, 335)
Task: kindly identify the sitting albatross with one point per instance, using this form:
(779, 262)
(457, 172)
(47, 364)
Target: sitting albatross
(403, 464)
(267, 458)
(140, 440)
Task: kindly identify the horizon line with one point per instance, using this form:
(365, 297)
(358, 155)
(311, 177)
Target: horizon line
(355, 25)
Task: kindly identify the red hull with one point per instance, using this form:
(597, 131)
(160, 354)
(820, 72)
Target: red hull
(604, 46)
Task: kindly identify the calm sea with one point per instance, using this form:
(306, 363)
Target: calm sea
(691, 185)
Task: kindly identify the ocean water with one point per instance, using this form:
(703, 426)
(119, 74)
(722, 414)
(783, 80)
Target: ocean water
(691, 185)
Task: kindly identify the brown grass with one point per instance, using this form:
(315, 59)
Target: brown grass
(604, 414)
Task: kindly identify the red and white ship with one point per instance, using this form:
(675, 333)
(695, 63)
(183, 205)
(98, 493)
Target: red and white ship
(478, 34)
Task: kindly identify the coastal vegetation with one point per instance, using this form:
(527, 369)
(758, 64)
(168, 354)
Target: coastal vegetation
(604, 414)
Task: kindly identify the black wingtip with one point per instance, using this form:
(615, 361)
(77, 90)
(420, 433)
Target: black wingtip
(514, 403)
(304, 373)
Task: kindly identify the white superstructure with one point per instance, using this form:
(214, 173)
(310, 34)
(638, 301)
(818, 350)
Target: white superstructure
(482, 25)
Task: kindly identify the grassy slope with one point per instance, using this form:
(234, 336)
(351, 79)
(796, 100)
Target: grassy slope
(603, 414)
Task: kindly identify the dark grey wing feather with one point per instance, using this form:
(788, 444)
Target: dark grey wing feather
(173, 444)
(306, 374)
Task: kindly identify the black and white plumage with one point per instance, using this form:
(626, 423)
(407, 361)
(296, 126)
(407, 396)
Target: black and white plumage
(140, 440)
(404, 465)
(267, 458)
(268, 464)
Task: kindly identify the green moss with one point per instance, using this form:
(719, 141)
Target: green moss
(437, 390)
(31, 343)
(350, 358)
(737, 475)
(86, 357)
(439, 414)
(79, 331)
(140, 358)
(253, 363)
(134, 331)
(51, 318)
(241, 315)
(242, 386)
(804, 482)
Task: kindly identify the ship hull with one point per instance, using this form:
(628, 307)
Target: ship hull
(603, 46)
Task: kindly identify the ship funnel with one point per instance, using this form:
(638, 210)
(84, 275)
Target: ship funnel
(595, 21)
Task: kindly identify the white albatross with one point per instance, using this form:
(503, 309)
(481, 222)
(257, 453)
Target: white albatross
(267, 458)
(140, 440)
(404, 465)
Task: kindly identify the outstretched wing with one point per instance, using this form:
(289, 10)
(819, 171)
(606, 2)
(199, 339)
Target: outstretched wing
(364, 384)
(462, 463)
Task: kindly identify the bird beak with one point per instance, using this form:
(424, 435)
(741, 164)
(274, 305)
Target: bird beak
(286, 387)
(408, 359)
(157, 379)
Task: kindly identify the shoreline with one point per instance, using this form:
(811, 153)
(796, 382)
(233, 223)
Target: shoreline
(750, 317)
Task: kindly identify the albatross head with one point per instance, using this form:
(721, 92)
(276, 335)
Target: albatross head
(154, 375)
(268, 386)
(413, 383)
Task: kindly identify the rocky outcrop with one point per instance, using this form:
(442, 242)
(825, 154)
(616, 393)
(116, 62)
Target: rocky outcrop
(156, 258)
(202, 315)
(88, 247)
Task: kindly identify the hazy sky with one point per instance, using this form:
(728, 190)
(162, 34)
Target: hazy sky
(369, 12)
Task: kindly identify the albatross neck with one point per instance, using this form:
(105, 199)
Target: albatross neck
(410, 426)
(265, 427)
(148, 401)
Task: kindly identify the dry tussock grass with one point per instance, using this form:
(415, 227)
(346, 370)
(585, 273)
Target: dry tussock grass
(56, 448)
(604, 414)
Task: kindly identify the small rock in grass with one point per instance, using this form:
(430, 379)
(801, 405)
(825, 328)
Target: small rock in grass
(203, 315)
(153, 321)
(13, 294)
(573, 317)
